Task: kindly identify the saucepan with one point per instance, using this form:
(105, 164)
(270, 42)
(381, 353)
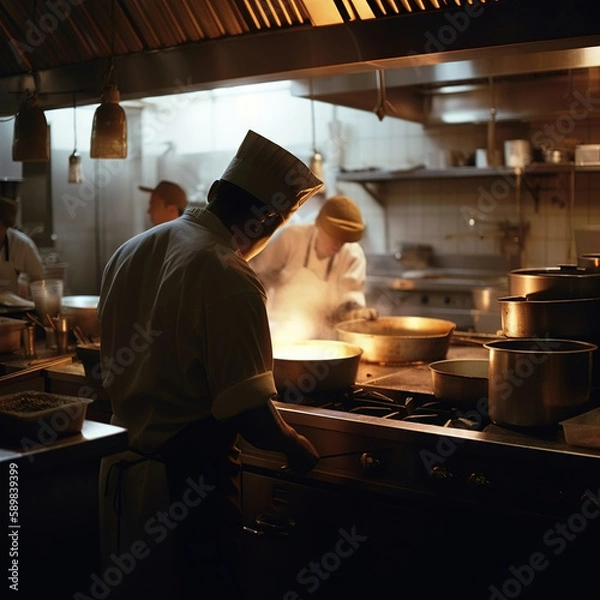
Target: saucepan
(310, 367)
(460, 381)
(398, 340)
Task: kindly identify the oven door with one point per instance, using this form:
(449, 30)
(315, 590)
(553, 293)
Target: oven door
(307, 539)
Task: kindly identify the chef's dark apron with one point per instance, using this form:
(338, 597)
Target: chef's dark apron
(208, 539)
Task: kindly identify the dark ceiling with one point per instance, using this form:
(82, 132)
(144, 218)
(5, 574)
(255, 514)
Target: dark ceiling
(169, 46)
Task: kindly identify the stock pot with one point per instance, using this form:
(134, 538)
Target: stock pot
(567, 281)
(537, 382)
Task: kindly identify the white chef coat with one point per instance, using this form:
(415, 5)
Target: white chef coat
(184, 335)
(18, 254)
(184, 329)
(300, 285)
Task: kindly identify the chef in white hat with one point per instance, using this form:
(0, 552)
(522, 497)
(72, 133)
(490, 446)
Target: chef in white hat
(19, 255)
(315, 273)
(187, 363)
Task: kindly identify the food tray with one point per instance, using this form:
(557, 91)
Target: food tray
(584, 429)
(39, 416)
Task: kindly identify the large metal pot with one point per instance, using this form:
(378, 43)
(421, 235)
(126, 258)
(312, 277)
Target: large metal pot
(396, 340)
(309, 367)
(568, 281)
(539, 314)
(537, 382)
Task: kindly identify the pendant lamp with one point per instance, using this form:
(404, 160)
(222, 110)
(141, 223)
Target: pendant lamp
(75, 169)
(109, 126)
(31, 138)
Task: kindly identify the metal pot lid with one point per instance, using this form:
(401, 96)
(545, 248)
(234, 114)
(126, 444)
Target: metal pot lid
(558, 271)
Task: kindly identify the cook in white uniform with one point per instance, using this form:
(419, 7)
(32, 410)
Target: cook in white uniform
(18, 252)
(187, 362)
(314, 273)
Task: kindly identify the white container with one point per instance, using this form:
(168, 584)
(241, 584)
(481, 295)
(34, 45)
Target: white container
(587, 154)
(517, 153)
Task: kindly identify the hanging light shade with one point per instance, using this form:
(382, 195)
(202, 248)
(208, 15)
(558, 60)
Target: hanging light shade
(109, 127)
(31, 139)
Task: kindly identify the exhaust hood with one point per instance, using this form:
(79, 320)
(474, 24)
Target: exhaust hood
(538, 85)
(537, 52)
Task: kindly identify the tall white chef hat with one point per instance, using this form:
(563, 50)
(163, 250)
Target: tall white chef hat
(271, 174)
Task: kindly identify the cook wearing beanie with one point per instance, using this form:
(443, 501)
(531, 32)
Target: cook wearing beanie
(315, 273)
(18, 253)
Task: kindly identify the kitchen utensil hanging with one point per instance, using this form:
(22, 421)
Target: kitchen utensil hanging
(316, 159)
(384, 106)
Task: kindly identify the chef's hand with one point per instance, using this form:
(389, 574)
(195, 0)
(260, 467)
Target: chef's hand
(370, 314)
(302, 456)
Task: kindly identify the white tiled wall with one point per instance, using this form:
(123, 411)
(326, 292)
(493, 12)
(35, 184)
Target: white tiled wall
(428, 211)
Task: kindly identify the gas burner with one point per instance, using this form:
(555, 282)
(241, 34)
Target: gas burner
(395, 405)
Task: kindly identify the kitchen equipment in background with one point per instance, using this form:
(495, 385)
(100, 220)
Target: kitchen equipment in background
(10, 334)
(486, 298)
(481, 158)
(537, 382)
(47, 296)
(557, 156)
(567, 281)
(589, 262)
(396, 340)
(587, 154)
(517, 153)
(313, 367)
(83, 309)
(587, 239)
(460, 381)
(414, 256)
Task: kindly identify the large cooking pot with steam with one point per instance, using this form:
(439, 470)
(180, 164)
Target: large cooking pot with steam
(310, 367)
(397, 340)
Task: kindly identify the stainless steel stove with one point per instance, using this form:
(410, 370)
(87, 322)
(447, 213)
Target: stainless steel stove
(440, 500)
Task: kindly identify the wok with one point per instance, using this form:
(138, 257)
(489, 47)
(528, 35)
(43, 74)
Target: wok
(397, 340)
(310, 367)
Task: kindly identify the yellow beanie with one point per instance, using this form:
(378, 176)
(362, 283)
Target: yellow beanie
(8, 211)
(340, 218)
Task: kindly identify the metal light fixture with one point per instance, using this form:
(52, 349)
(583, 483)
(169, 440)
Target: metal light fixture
(75, 169)
(31, 138)
(109, 127)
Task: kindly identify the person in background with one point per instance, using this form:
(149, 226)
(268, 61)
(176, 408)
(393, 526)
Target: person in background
(167, 202)
(314, 273)
(199, 373)
(18, 253)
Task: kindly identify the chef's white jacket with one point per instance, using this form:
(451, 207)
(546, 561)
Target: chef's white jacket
(184, 329)
(18, 254)
(336, 281)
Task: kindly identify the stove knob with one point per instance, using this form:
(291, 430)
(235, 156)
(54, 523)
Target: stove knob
(370, 463)
(441, 474)
(478, 480)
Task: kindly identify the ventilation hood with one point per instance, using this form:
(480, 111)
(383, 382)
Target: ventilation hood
(537, 53)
